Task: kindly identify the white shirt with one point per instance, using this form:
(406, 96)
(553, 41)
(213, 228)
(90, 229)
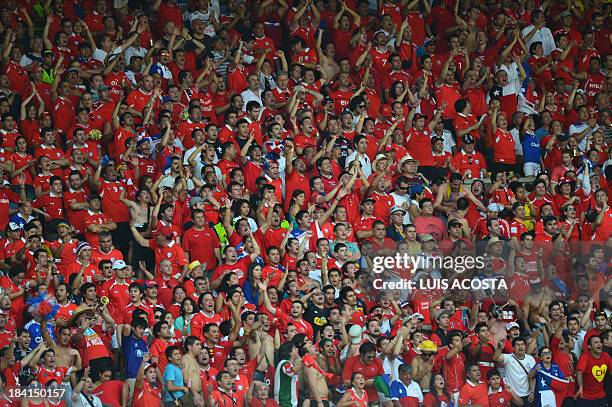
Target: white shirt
(100, 54)
(447, 139)
(518, 147)
(248, 95)
(515, 375)
(578, 128)
(80, 401)
(366, 164)
(514, 79)
(399, 201)
(543, 35)
(133, 51)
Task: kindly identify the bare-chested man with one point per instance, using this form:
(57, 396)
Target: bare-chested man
(191, 368)
(140, 210)
(261, 344)
(422, 365)
(65, 356)
(316, 382)
(537, 302)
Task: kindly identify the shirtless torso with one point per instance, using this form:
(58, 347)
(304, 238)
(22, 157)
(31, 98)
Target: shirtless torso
(191, 373)
(536, 305)
(422, 368)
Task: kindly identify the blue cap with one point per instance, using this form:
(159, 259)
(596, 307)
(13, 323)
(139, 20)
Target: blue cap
(166, 99)
(416, 189)
(156, 69)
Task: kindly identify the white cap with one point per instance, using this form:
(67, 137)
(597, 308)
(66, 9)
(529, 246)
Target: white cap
(511, 325)
(197, 16)
(119, 264)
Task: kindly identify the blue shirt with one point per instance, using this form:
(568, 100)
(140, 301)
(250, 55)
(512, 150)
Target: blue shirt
(531, 148)
(398, 390)
(176, 375)
(33, 328)
(545, 376)
(133, 349)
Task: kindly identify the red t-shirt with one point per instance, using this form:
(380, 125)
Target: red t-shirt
(593, 374)
(204, 253)
(354, 364)
(419, 145)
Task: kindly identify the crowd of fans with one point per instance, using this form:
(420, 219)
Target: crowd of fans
(204, 188)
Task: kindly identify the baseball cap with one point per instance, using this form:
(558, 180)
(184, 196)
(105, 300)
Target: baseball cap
(404, 303)
(368, 199)
(197, 16)
(195, 200)
(151, 283)
(512, 325)
(13, 227)
(468, 139)
(426, 237)
(194, 264)
(166, 99)
(429, 41)
(453, 222)
(419, 116)
(495, 207)
(119, 264)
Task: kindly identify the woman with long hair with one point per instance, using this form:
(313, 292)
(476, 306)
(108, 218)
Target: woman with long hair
(31, 116)
(438, 395)
(189, 308)
(356, 396)
(250, 286)
(242, 210)
(296, 203)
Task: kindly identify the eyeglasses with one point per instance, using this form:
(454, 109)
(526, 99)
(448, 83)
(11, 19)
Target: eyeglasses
(428, 355)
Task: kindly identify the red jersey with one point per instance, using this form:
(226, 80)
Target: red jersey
(503, 148)
(419, 144)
